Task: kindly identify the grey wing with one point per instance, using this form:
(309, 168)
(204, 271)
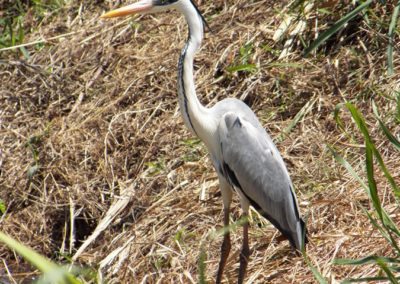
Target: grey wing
(253, 165)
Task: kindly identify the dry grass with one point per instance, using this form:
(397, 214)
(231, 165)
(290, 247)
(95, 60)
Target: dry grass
(96, 111)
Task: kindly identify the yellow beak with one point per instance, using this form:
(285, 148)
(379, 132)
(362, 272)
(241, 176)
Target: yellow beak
(139, 7)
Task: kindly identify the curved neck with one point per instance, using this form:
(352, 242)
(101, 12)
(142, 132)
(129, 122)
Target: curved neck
(192, 110)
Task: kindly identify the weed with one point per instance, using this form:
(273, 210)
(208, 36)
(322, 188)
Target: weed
(14, 20)
(194, 149)
(2, 207)
(52, 273)
(182, 236)
(363, 9)
(379, 218)
(33, 144)
(154, 168)
(243, 62)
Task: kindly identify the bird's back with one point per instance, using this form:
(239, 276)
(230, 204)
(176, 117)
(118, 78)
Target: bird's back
(253, 165)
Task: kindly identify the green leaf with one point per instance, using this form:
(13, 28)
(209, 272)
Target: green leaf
(50, 269)
(191, 142)
(202, 266)
(245, 52)
(386, 172)
(358, 119)
(303, 112)
(2, 207)
(366, 279)
(369, 160)
(242, 67)
(392, 29)
(370, 152)
(25, 52)
(337, 26)
(386, 131)
(384, 230)
(386, 269)
(368, 142)
(366, 260)
(317, 275)
(379, 217)
(381, 261)
(349, 168)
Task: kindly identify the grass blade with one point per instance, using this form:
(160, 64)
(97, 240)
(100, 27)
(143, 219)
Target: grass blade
(302, 113)
(386, 269)
(367, 279)
(384, 230)
(202, 266)
(370, 152)
(392, 28)
(50, 269)
(386, 172)
(42, 263)
(317, 275)
(386, 131)
(337, 26)
(349, 168)
(379, 260)
(396, 144)
(366, 260)
(359, 121)
(369, 161)
(339, 121)
(387, 222)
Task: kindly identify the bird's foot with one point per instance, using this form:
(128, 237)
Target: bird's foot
(225, 249)
(244, 259)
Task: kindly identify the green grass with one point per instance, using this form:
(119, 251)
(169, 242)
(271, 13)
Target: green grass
(378, 216)
(14, 25)
(243, 62)
(52, 273)
(336, 27)
(3, 207)
(364, 8)
(391, 34)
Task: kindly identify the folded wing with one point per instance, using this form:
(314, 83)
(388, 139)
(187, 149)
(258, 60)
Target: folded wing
(253, 165)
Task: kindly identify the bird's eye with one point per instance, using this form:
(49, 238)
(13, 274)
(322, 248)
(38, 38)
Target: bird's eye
(162, 2)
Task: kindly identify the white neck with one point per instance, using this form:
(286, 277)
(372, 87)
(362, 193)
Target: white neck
(193, 112)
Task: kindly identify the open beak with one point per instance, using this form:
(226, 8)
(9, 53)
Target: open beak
(139, 7)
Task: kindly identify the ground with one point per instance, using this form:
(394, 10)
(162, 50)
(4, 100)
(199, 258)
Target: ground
(93, 147)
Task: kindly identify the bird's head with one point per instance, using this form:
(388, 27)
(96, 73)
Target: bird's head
(147, 6)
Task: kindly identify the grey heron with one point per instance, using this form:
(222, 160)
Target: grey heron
(243, 154)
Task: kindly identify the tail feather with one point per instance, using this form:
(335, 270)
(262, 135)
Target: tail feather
(287, 234)
(304, 231)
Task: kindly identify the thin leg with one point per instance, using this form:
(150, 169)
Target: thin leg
(245, 253)
(225, 247)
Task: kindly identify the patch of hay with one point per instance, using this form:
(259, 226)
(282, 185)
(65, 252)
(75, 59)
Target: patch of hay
(93, 117)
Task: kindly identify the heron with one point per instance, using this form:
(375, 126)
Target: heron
(244, 156)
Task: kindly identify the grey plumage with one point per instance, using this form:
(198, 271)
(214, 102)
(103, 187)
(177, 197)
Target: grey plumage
(252, 164)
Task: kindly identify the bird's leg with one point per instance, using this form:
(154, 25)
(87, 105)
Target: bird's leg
(225, 247)
(245, 253)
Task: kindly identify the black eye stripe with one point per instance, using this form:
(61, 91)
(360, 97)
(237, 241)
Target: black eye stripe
(169, 2)
(163, 2)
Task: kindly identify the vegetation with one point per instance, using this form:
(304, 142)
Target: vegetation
(379, 217)
(22, 17)
(52, 273)
(97, 169)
